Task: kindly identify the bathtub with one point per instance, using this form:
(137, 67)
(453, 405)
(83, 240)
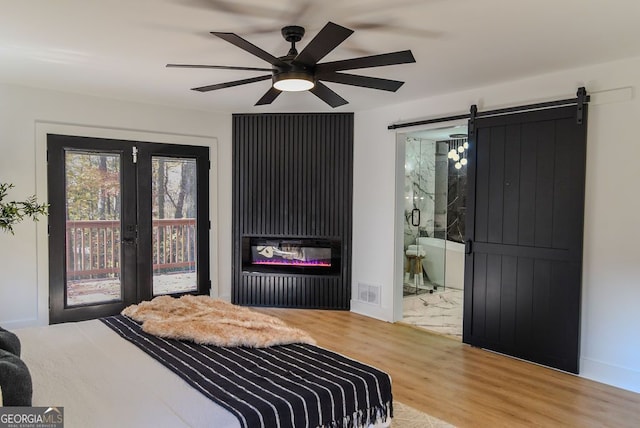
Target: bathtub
(443, 262)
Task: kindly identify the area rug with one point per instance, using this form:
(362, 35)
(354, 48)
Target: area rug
(407, 417)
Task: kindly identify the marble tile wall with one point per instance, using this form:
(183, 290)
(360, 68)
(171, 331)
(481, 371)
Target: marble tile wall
(425, 188)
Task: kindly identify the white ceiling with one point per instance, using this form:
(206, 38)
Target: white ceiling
(119, 48)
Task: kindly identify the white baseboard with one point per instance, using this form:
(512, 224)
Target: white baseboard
(225, 297)
(620, 377)
(372, 311)
(13, 325)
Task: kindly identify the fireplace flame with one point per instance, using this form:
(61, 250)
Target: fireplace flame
(285, 262)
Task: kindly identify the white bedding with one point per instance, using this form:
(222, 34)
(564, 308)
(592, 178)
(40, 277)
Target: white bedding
(102, 380)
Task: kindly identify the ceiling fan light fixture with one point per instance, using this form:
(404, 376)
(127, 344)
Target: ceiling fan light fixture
(303, 71)
(293, 81)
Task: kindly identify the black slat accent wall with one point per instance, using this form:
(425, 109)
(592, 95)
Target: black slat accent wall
(292, 177)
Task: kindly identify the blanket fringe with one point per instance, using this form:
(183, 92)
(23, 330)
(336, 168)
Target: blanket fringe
(364, 418)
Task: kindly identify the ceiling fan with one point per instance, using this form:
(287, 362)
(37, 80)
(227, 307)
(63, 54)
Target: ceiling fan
(301, 71)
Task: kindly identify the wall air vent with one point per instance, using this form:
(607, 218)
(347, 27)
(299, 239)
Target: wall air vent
(369, 293)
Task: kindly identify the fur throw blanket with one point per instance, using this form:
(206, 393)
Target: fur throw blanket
(204, 320)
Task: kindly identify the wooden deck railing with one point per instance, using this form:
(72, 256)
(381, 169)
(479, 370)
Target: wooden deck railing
(93, 247)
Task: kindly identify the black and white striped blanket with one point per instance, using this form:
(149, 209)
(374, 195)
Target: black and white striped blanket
(285, 386)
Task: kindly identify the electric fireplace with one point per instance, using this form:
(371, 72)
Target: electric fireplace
(306, 256)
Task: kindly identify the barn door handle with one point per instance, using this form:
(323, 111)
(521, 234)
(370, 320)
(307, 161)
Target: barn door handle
(468, 246)
(413, 217)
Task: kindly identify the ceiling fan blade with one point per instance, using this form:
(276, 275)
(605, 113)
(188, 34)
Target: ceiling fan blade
(234, 8)
(269, 96)
(231, 84)
(289, 15)
(238, 41)
(324, 42)
(363, 81)
(392, 58)
(327, 95)
(218, 67)
(396, 29)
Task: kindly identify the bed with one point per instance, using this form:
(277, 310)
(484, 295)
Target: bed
(103, 379)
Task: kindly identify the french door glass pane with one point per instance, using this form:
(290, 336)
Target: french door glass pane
(174, 232)
(93, 228)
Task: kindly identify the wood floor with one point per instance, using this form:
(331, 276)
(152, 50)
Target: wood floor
(466, 386)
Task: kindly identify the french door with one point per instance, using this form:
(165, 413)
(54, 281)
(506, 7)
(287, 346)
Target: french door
(127, 221)
(525, 232)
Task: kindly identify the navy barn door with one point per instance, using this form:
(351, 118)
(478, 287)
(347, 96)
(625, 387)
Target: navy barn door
(525, 226)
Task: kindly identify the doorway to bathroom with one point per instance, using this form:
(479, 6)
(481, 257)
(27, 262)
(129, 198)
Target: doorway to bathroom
(433, 224)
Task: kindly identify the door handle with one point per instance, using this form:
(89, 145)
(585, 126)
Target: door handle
(129, 241)
(132, 231)
(468, 246)
(413, 217)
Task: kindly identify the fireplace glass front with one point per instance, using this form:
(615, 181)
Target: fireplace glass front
(291, 255)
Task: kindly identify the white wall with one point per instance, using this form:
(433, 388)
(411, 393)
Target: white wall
(610, 346)
(25, 114)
